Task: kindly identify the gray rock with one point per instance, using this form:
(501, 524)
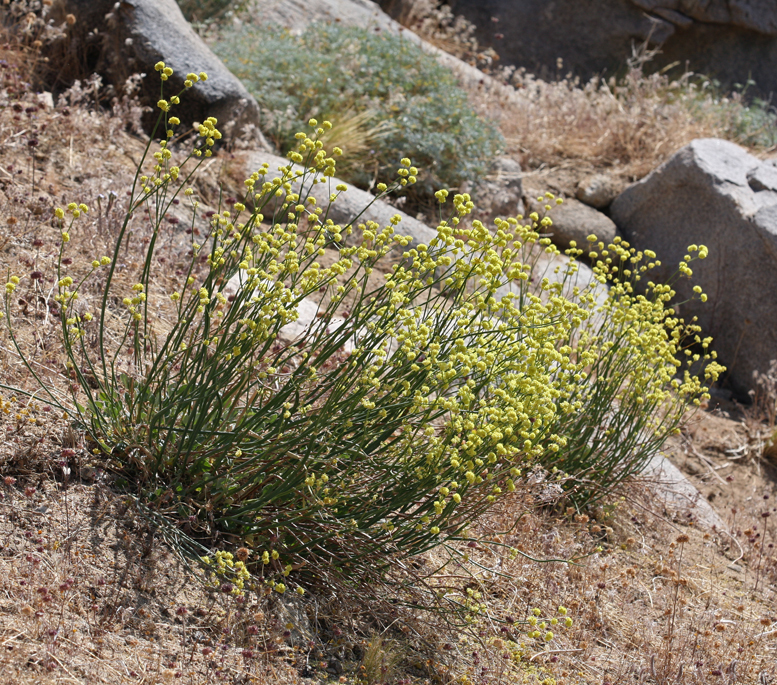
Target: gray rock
(499, 193)
(597, 190)
(678, 495)
(131, 36)
(297, 15)
(714, 193)
(574, 220)
(754, 15)
(732, 40)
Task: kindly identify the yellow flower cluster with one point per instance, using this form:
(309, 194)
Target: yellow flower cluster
(225, 567)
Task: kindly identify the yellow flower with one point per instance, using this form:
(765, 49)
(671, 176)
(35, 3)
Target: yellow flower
(164, 105)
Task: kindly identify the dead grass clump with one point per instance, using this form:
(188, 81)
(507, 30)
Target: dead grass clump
(632, 124)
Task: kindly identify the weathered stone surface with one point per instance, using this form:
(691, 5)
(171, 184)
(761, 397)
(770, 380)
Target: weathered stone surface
(598, 190)
(117, 39)
(755, 15)
(499, 193)
(714, 193)
(678, 495)
(732, 40)
(574, 220)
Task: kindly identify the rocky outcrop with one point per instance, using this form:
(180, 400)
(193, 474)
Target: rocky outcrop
(598, 190)
(499, 193)
(678, 496)
(714, 193)
(118, 39)
(575, 221)
(732, 40)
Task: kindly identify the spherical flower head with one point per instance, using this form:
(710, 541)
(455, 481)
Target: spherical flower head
(65, 237)
(313, 123)
(59, 213)
(592, 238)
(203, 76)
(95, 263)
(173, 121)
(159, 66)
(104, 261)
(192, 77)
(164, 105)
(341, 187)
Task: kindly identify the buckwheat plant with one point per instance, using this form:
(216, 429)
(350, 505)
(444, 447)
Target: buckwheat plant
(376, 433)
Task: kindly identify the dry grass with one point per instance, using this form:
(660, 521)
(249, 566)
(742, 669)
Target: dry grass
(629, 126)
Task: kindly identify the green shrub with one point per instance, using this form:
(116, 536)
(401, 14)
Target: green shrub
(373, 436)
(332, 70)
